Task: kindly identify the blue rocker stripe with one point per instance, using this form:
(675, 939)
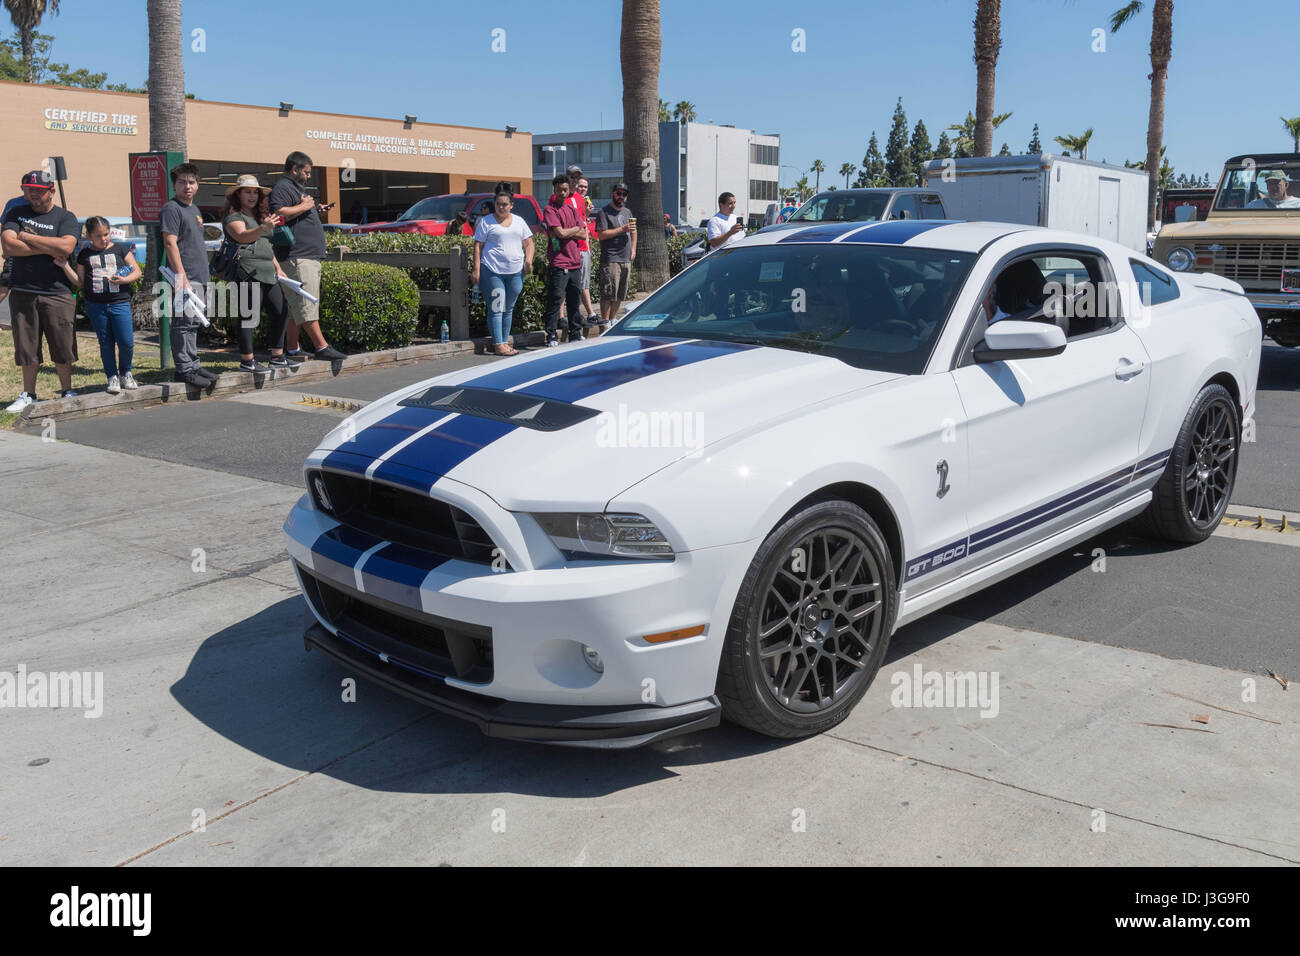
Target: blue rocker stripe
(1079, 495)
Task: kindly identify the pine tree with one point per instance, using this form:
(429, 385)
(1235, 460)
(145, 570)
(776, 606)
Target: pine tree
(944, 149)
(898, 155)
(873, 164)
(921, 150)
(1005, 150)
(1035, 144)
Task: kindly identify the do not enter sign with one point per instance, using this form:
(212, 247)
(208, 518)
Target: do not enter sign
(150, 184)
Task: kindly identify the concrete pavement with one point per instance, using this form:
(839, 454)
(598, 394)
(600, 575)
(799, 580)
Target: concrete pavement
(213, 713)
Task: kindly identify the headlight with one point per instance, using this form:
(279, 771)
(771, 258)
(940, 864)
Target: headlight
(1180, 259)
(606, 535)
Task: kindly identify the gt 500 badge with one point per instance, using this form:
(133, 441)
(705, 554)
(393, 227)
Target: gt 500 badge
(932, 561)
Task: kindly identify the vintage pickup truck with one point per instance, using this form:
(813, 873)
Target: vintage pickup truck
(1252, 236)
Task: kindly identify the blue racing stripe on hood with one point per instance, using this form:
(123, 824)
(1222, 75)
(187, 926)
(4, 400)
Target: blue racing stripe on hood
(373, 440)
(516, 373)
(585, 382)
(447, 446)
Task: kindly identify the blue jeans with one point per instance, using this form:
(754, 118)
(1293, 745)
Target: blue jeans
(112, 323)
(500, 304)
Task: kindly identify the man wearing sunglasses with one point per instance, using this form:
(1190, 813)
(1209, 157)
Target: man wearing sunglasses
(616, 230)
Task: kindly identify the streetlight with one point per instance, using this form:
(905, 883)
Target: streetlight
(553, 150)
(801, 172)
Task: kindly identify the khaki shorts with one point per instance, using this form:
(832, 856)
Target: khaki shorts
(614, 278)
(51, 316)
(306, 271)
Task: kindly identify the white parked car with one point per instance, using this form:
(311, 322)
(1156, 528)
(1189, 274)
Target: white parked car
(727, 504)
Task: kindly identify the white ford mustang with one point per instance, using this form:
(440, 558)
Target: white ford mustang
(726, 505)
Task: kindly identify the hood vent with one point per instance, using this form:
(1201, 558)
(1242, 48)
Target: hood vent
(523, 410)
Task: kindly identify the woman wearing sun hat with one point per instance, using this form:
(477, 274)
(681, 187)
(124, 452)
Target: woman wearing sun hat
(248, 221)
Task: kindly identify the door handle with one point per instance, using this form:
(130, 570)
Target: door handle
(1126, 369)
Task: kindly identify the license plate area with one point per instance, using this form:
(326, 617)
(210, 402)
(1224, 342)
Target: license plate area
(1291, 280)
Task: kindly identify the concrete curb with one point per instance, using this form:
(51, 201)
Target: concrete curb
(229, 383)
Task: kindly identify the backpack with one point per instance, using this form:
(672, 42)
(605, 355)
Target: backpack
(225, 261)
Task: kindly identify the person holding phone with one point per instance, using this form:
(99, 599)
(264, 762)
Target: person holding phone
(725, 227)
(105, 270)
(249, 222)
(302, 252)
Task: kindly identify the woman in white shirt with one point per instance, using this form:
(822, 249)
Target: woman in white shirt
(503, 252)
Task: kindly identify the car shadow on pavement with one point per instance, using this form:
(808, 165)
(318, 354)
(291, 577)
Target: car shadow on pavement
(1279, 368)
(255, 684)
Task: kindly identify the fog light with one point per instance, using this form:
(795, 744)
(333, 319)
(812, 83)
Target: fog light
(593, 659)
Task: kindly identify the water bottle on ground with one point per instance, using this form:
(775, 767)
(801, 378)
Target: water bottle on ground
(445, 335)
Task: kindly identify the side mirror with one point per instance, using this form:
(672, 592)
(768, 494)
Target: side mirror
(1017, 339)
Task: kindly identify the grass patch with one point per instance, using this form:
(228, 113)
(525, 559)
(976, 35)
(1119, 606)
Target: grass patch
(88, 373)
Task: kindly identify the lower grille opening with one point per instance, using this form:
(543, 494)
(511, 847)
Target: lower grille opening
(444, 648)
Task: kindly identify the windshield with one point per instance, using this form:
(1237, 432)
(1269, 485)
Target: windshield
(842, 207)
(872, 306)
(437, 208)
(1276, 186)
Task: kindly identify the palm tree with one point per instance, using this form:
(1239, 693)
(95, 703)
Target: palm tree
(988, 41)
(684, 111)
(801, 184)
(1293, 127)
(1162, 29)
(847, 170)
(665, 113)
(166, 76)
(964, 144)
(818, 167)
(26, 15)
(1077, 143)
(639, 46)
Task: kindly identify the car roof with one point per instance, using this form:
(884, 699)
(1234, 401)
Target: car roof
(874, 190)
(949, 234)
(1262, 159)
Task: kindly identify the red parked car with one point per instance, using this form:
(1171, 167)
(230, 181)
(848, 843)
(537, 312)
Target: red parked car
(431, 216)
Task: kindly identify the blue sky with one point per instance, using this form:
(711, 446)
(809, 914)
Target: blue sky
(733, 59)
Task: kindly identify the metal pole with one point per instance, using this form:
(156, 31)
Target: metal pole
(62, 202)
(164, 314)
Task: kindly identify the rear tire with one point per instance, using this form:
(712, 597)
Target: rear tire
(811, 623)
(1192, 495)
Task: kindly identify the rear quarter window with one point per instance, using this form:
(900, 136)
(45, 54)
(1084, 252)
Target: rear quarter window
(1156, 287)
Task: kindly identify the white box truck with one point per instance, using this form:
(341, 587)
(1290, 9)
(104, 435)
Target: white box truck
(1059, 192)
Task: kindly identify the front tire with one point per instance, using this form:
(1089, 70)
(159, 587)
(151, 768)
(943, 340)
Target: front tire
(811, 623)
(1192, 495)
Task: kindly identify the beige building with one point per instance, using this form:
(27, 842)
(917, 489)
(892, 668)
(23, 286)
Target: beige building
(373, 168)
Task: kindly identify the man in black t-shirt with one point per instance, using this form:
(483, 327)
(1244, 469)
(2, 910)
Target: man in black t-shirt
(182, 232)
(301, 260)
(41, 301)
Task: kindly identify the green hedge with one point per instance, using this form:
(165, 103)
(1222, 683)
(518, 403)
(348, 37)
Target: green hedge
(366, 307)
(530, 309)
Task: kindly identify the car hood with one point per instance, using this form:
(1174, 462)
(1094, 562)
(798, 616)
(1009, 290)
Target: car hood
(573, 428)
(1278, 225)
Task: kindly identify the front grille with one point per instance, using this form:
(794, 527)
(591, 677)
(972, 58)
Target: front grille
(401, 516)
(1254, 262)
(425, 643)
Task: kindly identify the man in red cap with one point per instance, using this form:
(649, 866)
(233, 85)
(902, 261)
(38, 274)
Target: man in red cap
(35, 234)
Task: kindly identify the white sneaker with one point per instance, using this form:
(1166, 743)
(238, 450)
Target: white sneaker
(21, 402)
(113, 386)
(128, 382)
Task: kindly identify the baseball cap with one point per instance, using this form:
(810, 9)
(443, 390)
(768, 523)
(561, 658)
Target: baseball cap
(618, 186)
(1277, 174)
(573, 171)
(38, 179)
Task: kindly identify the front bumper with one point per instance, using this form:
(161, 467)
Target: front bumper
(505, 649)
(565, 725)
(1275, 301)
